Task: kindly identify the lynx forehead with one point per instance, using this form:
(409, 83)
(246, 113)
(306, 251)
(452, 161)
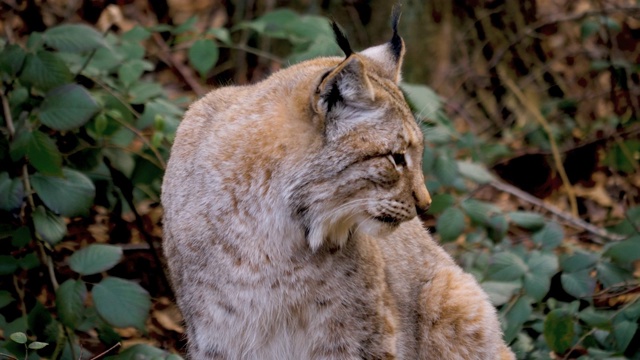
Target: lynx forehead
(290, 226)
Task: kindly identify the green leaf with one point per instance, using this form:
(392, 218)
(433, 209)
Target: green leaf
(476, 172)
(203, 55)
(588, 28)
(70, 298)
(623, 332)
(145, 352)
(8, 264)
(73, 38)
(21, 237)
(500, 292)
(623, 252)
(71, 195)
(11, 192)
(11, 59)
(445, 169)
(428, 159)
(579, 284)
(610, 274)
(440, 203)
(67, 107)
(130, 71)
(450, 224)
(616, 155)
(121, 303)
(479, 211)
(497, 227)
(611, 23)
(188, 25)
(50, 227)
(545, 264)
(536, 285)
(423, 99)
(29, 261)
(516, 317)
(273, 23)
(41, 323)
(550, 236)
(559, 330)
(527, 220)
(221, 34)
(438, 135)
(141, 92)
(19, 337)
(37, 345)
(95, 258)
(506, 266)
(595, 318)
(137, 33)
(579, 260)
(41, 151)
(45, 70)
(5, 298)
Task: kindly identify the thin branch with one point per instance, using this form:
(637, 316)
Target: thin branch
(628, 10)
(7, 115)
(86, 62)
(185, 72)
(128, 126)
(554, 146)
(254, 51)
(577, 222)
(575, 346)
(7, 356)
(102, 354)
(146, 141)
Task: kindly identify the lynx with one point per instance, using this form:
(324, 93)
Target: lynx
(290, 225)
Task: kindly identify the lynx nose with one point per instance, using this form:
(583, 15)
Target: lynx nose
(423, 199)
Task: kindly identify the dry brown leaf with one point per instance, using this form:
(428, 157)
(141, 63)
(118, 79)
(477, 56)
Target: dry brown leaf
(597, 193)
(128, 332)
(169, 320)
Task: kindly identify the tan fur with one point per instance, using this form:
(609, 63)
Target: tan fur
(291, 232)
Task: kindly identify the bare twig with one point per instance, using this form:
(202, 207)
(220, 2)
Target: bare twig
(254, 51)
(155, 151)
(185, 72)
(629, 10)
(554, 146)
(146, 141)
(7, 115)
(577, 222)
(102, 354)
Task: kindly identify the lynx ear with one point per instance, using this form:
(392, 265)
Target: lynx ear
(346, 85)
(389, 55)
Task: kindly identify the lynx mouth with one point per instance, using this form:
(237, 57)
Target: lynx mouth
(387, 219)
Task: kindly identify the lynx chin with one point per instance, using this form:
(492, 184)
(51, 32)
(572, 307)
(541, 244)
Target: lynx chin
(290, 224)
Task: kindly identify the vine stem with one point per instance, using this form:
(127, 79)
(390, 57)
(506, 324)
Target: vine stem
(137, 132)
(45, 258)
(117, 345)
(7, 115)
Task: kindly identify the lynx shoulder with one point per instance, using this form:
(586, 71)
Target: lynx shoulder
(290, 224)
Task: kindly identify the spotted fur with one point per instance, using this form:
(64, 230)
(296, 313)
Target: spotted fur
(290, 224)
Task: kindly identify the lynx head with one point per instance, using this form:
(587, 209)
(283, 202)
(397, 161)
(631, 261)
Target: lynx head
(368, 174)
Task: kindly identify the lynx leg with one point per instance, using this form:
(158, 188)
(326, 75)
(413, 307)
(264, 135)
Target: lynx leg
(457, 321)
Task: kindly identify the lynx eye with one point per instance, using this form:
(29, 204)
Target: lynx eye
(397, 159)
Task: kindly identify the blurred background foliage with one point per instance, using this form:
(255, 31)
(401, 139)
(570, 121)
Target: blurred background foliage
(530, 110)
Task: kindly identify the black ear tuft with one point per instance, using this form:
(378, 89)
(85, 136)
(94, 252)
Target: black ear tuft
(341, 39)
(396, 40)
